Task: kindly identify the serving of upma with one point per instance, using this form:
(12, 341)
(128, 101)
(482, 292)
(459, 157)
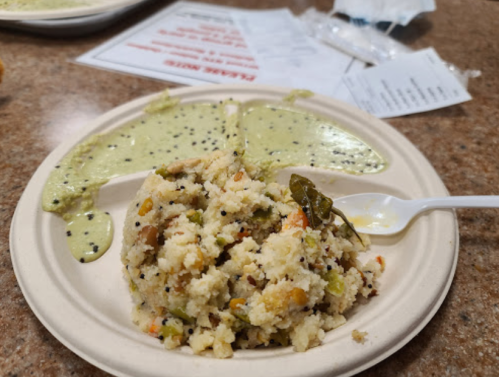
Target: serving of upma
(218, 259)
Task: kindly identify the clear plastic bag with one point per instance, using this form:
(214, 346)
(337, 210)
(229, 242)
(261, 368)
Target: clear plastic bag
(360, 40)
(364, 41)
(463, 76)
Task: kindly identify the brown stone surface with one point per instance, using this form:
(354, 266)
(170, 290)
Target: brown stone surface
(44, 98)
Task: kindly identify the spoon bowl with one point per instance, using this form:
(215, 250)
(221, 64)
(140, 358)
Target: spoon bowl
(381, 214)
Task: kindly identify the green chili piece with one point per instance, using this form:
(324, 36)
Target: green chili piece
(269, 195)
(163, 172)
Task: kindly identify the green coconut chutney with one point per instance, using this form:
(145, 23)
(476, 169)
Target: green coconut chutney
(272, 135)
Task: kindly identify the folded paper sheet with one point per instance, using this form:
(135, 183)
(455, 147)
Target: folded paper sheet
(413, 83)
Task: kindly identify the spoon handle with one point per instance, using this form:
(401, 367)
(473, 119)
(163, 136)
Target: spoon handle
(485, 201)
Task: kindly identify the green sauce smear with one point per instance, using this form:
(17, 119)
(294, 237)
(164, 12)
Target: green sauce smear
(272, 135)
(89, 234)
(280, 135)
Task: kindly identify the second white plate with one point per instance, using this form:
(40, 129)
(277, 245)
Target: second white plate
(74, 26)
(91, 7)
(87, 306)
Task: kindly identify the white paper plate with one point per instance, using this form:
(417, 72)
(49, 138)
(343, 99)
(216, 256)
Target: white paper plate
(93, 7)
(87, 306)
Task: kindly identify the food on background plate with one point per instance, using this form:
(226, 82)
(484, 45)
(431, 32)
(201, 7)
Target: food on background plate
(31, 5)
(274, 135)
(216, 258)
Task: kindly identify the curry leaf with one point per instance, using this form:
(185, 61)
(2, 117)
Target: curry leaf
(316, 205)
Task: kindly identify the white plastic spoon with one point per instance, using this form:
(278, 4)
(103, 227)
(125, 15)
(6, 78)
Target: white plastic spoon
(384, 214)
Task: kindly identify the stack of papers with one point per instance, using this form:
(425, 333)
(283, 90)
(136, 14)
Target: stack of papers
(192, 43)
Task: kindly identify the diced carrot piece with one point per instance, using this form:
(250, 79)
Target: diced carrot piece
(154, 328)
(145, 207)
(236, 303)
(241, 235)
(296, 219)
(381, 261)
(238, 176)
(299, 296)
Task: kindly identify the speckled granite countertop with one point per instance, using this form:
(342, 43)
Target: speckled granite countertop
(44, 98)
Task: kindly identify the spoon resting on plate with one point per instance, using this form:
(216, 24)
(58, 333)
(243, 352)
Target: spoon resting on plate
(381, 214)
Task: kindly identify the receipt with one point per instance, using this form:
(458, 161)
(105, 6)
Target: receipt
(413, 83)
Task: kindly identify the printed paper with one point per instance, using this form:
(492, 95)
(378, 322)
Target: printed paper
(413, 83)
(192, 43)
